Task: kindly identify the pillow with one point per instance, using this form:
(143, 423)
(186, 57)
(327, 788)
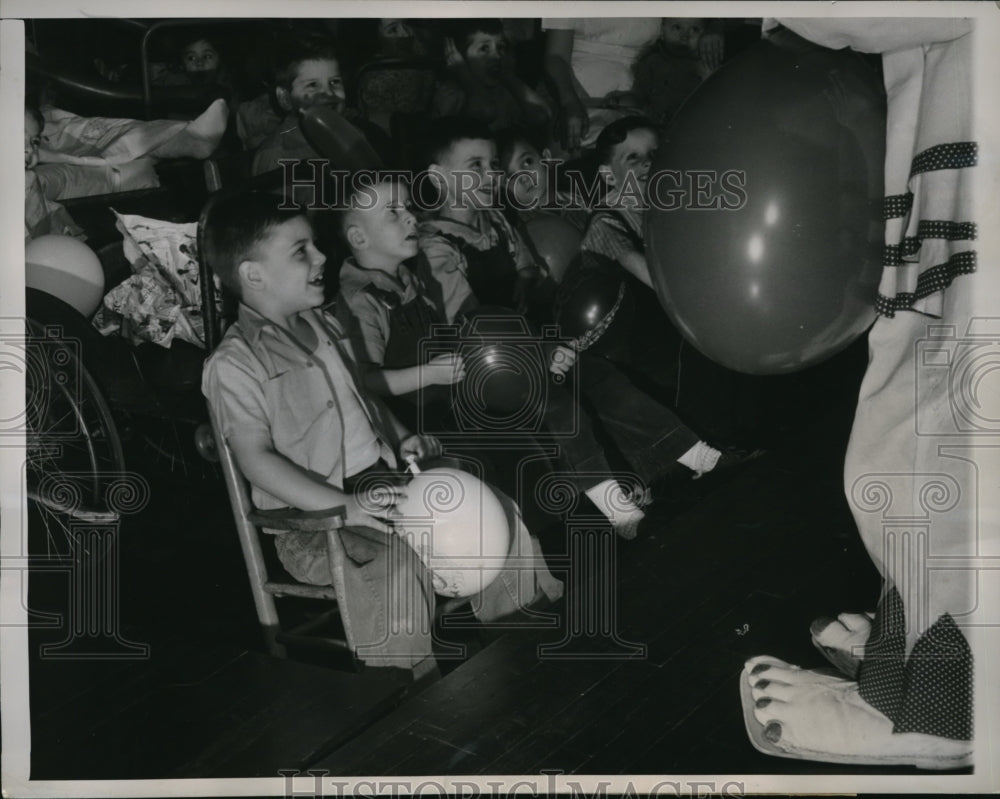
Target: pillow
(161, 301)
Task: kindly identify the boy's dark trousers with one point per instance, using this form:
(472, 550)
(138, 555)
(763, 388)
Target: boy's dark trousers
(647, 434)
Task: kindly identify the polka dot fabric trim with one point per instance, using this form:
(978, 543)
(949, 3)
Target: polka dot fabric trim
(931, 691)
(937, 278)
(880, 679)
(955, 155)
(896, 205)
(937, 696)
(893, 254)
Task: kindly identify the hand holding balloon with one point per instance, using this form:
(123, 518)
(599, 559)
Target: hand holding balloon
(562, 360)
(443, 370)
(421, 447)
(373, 507)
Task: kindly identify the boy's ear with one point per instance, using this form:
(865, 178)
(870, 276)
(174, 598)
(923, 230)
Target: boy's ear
(251, 275)
(355, 236)
(605, 173)
(283, 97)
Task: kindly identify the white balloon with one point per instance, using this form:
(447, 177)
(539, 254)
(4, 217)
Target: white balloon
(457, 526)
(65, 268)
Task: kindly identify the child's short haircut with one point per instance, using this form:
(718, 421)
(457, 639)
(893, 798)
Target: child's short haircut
(461, 31)
(190, 36)
(294, 49)
(616, 132)
(509, 138)
(342, 211)
(444, 133)
(235, 226)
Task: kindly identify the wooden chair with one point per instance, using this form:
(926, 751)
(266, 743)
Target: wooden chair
(250, 525)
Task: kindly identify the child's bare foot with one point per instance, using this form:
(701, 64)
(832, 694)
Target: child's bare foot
(810, 715)
(200, 137)
(842, 640)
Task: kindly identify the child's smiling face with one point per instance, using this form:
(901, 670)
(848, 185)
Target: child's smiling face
(466, 170)
(291, 266)
(633, 156)
(317, 82)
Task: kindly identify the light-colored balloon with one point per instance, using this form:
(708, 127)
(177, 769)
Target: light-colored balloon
(65, 268)
(457, 526)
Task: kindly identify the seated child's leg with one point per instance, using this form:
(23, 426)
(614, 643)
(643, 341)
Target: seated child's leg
(587, 465)
(526, 577)
(388, 596)
(389, 602)
(648, 434)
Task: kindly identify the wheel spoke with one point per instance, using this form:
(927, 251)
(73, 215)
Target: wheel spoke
(73, 445)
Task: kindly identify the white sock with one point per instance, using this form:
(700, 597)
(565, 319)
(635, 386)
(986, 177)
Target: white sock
(700, 459)
(611, 500)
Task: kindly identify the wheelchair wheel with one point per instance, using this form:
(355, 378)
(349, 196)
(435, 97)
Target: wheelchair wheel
(74, 454)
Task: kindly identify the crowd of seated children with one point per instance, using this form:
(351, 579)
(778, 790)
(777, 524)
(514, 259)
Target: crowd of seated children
(304, 430)
(386, 306)
(304, 436)
(480, 78)
(471, 256)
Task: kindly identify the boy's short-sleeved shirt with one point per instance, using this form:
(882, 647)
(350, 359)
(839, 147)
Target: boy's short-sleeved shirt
(614, 233)
(445, 264)
(309, 405)
(363, 314)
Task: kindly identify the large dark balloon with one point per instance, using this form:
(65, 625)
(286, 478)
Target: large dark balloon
(766, 250)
